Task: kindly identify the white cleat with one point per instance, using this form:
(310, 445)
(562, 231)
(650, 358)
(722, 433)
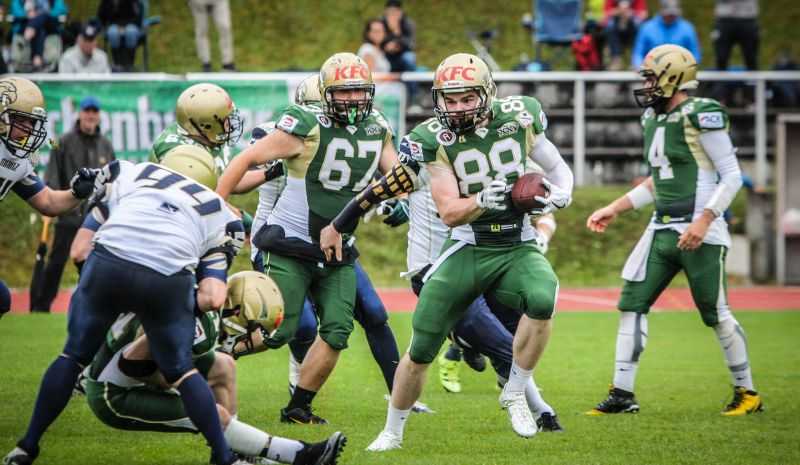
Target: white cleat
(519, 413)
(385, 441)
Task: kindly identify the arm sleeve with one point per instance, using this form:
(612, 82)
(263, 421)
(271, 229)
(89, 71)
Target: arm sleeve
(28, 186)
(556, 170)
(296, 121)
(719, 148)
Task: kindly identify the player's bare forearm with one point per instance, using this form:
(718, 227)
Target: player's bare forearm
(626, 202)
(232, 175)
(211, 294)
(276, 145)
(250, 180)
(51, 202)
(453, 209)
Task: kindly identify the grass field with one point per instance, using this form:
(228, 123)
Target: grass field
(682, 386)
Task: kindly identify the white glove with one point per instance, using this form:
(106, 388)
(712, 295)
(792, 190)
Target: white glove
(557, 198)
(493, 196)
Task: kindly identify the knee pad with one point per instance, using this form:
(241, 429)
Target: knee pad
(631, 336)
(424, 347)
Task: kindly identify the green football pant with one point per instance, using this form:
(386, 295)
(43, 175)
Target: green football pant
(518, 276)
(332, 289)
(704, 268)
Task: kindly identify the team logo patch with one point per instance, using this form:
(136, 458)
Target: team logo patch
(524, 119)
(482, 132)
(674, 118)
(372, 130)
(446, 137)
(351, 129)
(711, 120)
(288, 123)
(199, 332)
(508, 129)
(410, 149)
(324, 121)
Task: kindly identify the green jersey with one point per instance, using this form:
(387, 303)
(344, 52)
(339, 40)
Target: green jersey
(126, 329)
(683, 174)
(497, 150)
(337, 162)
(173, 136)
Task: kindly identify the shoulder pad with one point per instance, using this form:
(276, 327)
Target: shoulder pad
(299, 120)
(707, 114)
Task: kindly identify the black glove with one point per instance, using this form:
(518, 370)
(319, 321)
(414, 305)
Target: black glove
(82, 183)
(273, 171)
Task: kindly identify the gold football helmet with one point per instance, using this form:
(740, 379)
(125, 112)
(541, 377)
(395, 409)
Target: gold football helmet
(308, 91)
(193, 162)
(666, 69)
(22, 116)
(458, 73)
(343, 72)
(207, 113)
(254, 302)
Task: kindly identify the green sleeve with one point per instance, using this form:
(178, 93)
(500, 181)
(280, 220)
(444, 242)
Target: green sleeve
(709, 115)
(297, 121)
(422, 142)
(534, 109)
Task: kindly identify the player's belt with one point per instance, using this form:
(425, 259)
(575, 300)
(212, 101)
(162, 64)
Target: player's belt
(663, 218)
(497, 233)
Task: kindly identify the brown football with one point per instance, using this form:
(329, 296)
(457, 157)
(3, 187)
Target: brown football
(525, 189)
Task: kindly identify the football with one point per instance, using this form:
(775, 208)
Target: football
(526, 189)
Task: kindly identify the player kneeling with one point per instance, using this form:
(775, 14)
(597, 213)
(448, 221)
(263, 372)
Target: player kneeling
(125, 390)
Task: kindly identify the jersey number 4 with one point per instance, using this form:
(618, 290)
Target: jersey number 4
(657, 158)
(335, 173)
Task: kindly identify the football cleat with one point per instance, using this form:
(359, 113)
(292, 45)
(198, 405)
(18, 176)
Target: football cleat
(618, 401)
(548, 423)
(448, 374)
(385, 441)
(474, 360)
(744, 402)
(303, 416)
(17, 457)
(322, 453)
(518, 412)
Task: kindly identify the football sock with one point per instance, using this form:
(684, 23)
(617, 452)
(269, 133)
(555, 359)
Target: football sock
(453, 353)
(54, 394)
(396, 420)
(518, 378)
(246, 439)
(384, 350)
(301, 398)
(202, 410)
(294, 369)
(535, 401)
(631, 341)
(283, 450)
(734, 345)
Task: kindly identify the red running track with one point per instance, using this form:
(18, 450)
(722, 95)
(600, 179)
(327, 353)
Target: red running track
(762, 298)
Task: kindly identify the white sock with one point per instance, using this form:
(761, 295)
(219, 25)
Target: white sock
(294, 370)
(734, 346)
(517, 378)
(396, 420)
(283, 450)
(245, 439)
(535, 401)
(631, 341)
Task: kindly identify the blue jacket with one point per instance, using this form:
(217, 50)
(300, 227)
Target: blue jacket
(655, 32)
(17, 10)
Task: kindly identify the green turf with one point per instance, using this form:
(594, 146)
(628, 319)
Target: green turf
(682, 386)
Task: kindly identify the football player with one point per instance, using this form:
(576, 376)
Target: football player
(125, 390)
(23, 129)
(158, 223)
(330, 153)
(695, 176)
(473, 151)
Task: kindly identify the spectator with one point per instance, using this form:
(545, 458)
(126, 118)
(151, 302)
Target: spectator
(221, 12)
(84, 56)
(371, 51)
(36, 19)
(587, 51)
(666, 28)
(401, 36)
(736, 22)
(121, 20)
(622, 19)
(83, 146)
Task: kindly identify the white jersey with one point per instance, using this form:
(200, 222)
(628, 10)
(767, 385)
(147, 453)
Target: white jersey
(15, 170)
(426, 231)
(162, 220)
(268, 194)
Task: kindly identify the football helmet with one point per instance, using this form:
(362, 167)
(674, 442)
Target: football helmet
(254, 302)
(23, 118)
(193, 162)
(346, 71)
(666, 69)
(308, 91)
(462, 72)
(207, 113)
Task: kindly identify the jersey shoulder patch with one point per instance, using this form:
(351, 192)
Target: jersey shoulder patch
(525, 111)
(426, 138)
(707, 114)
(300, 120)
(378, 118)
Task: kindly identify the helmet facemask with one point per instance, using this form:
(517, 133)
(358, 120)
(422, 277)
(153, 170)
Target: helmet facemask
(225, 131)
(22, 132)
(460, 121)
(349, 111)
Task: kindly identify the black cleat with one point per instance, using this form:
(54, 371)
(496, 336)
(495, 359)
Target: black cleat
(322, 453)
(474, 360)
(548, 422)
(303, 416)
(618, 401)
(17, 457)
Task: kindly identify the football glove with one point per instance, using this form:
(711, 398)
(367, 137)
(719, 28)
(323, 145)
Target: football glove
(82, 183)
(273, 170)
(493, 196)
(557, 198)
(396, 211)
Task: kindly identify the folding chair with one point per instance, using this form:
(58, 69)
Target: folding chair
(557, 23)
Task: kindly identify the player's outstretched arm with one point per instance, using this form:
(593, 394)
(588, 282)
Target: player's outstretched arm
(278, 144)
(636, 198)
(50, 202)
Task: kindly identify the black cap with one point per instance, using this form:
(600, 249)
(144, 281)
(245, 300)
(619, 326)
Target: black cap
(89, 31)
(394, 3)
